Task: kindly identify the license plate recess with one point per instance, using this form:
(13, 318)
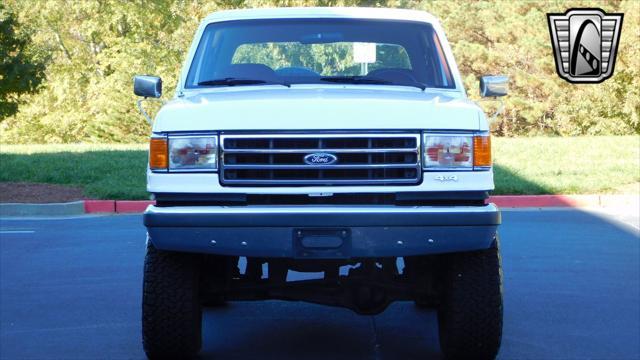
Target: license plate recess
(322, 243)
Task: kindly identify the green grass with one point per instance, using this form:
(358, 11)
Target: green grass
(581, 165)
(104, 171)
(577, 165)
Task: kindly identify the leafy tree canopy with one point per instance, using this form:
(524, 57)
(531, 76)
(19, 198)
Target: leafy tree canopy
(20, 70)
(97, 46)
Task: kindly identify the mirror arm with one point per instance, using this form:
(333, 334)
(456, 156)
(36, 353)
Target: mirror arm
(499, 110)
(143, 111)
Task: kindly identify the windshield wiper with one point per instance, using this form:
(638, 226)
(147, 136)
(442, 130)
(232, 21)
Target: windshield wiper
(354, 80)
(367, 80)
(230, 81)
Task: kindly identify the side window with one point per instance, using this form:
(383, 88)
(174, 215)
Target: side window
(445, 72)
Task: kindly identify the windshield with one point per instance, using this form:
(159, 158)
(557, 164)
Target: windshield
(319, 51)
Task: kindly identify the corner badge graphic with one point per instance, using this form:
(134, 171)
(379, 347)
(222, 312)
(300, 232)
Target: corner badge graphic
(585, 42)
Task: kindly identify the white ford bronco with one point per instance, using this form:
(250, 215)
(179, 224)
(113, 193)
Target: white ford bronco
(338, 141)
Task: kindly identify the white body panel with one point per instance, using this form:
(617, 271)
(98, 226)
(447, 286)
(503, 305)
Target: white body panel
(209, 183)
(319, 107)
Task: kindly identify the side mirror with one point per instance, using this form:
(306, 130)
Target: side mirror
(491, 86)
(147, 86)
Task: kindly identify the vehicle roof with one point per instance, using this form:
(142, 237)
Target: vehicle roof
(322, 12)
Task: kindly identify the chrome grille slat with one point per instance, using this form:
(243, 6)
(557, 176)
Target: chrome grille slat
(319, 182)
(306, 167)
(278, 159)
(308, 151)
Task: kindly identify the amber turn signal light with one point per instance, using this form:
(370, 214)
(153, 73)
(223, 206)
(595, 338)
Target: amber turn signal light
(481, 151)
(158, 158)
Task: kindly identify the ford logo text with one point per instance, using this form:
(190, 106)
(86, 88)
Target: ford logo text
(320, 159)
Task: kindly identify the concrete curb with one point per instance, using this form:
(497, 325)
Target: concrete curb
(53, 209)
(630, 202)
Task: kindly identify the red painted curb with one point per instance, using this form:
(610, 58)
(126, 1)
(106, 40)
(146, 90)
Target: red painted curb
(505, 201)
(99, 206)
(545, 200)
(132, 206)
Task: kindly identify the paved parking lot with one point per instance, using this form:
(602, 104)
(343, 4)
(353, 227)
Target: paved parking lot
(70, 289)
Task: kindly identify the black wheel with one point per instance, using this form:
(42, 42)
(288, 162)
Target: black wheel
(470, 312)
(171, 310)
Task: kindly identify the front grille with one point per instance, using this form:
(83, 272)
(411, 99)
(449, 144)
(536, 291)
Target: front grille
(279, 159)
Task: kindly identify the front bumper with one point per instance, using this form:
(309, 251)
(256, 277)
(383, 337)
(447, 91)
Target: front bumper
(322, 232)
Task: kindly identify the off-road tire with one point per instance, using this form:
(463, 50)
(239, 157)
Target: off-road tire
(171, 310)
(470, 311)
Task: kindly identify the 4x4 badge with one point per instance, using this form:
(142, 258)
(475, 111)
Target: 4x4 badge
(446, 178)
(585, 42)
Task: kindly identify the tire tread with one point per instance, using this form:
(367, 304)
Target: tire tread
(470, 314)
(171, 309)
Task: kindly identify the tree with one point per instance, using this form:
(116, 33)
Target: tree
(20, 71)
(95, 47)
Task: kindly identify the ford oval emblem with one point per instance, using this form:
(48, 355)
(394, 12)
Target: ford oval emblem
(320, 159)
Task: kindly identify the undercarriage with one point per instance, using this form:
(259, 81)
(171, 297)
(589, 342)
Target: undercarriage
(465, 288)
(366, 286)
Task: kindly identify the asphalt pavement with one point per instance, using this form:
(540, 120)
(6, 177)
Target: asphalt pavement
(71, 289)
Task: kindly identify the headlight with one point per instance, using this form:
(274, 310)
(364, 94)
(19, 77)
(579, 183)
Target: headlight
(456, 152)
(193, 153)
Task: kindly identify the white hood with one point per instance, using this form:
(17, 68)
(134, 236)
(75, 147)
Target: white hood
(320, 108)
